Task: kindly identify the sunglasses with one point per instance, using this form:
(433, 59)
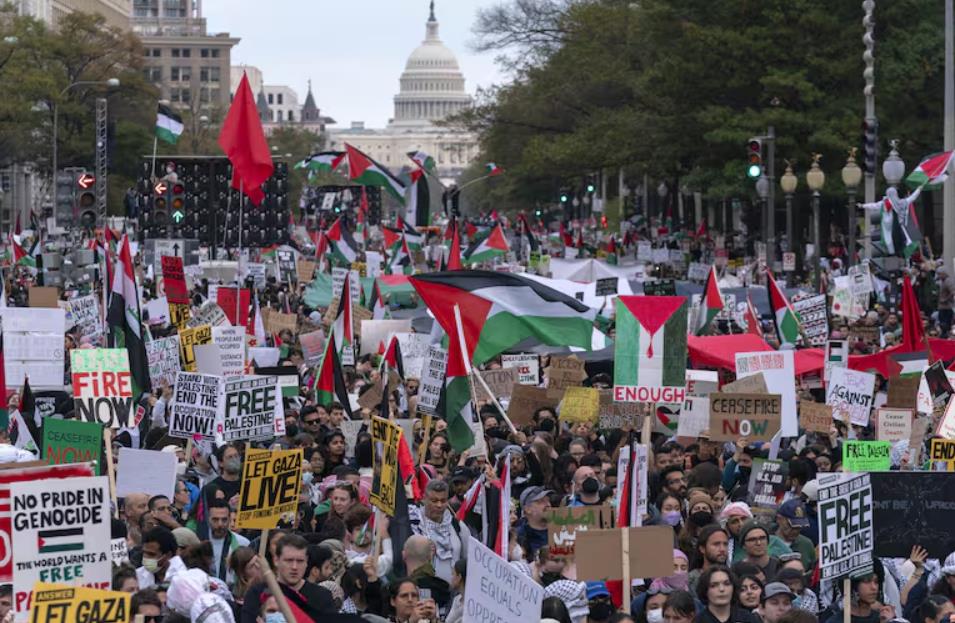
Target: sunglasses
(152, 618)
(311, 422)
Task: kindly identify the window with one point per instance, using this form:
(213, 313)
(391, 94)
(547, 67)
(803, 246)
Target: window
(270, 99)
(186, 52)
(204, 53)
(278, 98)
(186, 96)
(174, 95)
(214, 95)
(180, 74)
(153, 74)
(175, 52)
(209, 74)
(291, 116)
(157, 53)
(204, 95)
(215, 52)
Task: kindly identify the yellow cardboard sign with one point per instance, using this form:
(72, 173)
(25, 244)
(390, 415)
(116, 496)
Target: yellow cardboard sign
(385, 437)
(178, 315)
(61, 603)
(188, 339)
(271, 481)
(580, 404)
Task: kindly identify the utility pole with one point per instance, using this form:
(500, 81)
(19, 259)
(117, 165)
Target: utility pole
(101, 153)
(771, 197)
(948, 190)
(868, 21)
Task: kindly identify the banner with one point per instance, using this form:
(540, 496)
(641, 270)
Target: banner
(528, 367)
(845, 525)
(650, 351)
(231, 343)
(65, 604)
(72, 441)
(62, 532)
(196, 403)
(779, 371)
(174, 280)
(188, 338)
(767, 486)
(163, 357)
(102, 386)
(253, 410)
(235, 303)
(866, 456)
(849, 393)
(754, 416)
(271, 481)
(385, 436)
(813, 313)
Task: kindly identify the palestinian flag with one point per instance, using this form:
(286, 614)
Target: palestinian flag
(321, 162)
(60, 540)
(498, 310)
(491, 169)
(365, 171)
(423, 160)
(379, 311)
(486, 248)
(20, 256)
(343, 247)
(787, 322)
(414, 238)
(529, 234)
(392, 238)
(634, 464)
(329, 382)
(124, 319)
(454, 253)
(650, 350)
(400, 256)
(418, 203)
(168, 124)
(342, 328)
(751, 315)
(455, 400)
(471, 498)
(712, 302)
(931, 172)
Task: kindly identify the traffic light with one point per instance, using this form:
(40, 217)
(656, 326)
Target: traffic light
(754, 158)
(65, 197)
(86, 200)
(564, 197)
(590, 186)
(870, 141)
(177, 194)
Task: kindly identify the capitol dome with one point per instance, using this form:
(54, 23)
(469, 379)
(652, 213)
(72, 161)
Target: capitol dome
(432, 85)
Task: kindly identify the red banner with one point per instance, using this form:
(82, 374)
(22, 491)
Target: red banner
(174, 280)
(226, 298)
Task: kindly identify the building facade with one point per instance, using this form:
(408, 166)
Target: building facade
(432, 88)
(116, 12)
(189, 66)
(279, 105)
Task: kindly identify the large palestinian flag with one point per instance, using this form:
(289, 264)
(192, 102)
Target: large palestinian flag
(498, 310)
(418, 205)
(932, 172)
(342, 328)
(321, 162)
(329, 382)
(125, 320)
(494, 244)
(712, 302)
(787, 322)
(365, 171)
(650, 350)
(413, 236)
(343, 246)
(455, 400)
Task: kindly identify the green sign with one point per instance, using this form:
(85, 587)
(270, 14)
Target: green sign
(866, 456)
(72, 441)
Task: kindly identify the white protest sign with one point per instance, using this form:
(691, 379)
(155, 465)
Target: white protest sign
(158, 311)
(211, 314)
(145, 471)
(313, 347)
(697, 271)
(195, 406)
(837, 356)
(33, 346)
(779, 372)
(253, 410)
(644, 251)
(208, 359)
(860, 281)
(694, 417)
(702, 382)
(350, 429)
(354, 283)
(414, 352)
(497, 591)
(264, 356)
(83, 312)
(62, 529)
(432, 379)
(528, 367)
(894, 424)
(849, 393)
(845, 524)
(163, 357)
(119, 551)
(231, 343)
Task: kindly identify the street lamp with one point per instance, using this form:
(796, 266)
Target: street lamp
(662, 192)
(816, 179)
(893, 168)
(851, 178)
(111, 83)
(788, 182)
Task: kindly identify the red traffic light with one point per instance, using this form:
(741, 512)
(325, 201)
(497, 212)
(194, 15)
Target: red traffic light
(178, 189)
(754, 146)
(85, 181)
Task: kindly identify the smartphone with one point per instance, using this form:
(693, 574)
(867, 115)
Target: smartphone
(424, 593)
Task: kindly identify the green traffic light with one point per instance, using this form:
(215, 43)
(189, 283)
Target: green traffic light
(178, 216)
(754, 171)
(590, 188)
(563, 198)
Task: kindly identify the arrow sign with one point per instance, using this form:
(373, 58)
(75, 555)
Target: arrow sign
(160, 188)
(85, 181)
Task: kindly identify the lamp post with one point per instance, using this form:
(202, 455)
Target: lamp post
(662, 192)
(112, 83)
(851, 177)
(893, 168)
(816, 179)
(788, 182)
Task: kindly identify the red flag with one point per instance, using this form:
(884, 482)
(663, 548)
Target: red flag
(913, 333)
(454, 257)
(243, 141)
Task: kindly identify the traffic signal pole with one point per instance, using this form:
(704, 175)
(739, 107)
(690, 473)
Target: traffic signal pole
(771, 199)
(948, 189)
(871, 121)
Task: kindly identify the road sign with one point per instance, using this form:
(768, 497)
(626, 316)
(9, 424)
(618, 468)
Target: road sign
(86, 181)
(160, 188)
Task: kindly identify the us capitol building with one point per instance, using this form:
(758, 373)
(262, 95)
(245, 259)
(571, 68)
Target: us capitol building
(432, 87)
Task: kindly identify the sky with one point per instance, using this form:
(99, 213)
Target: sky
(353, 51)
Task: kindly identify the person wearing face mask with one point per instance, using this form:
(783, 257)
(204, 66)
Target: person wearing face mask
(586, 488)
(671, 511)
(700, 506)
(229, 482)
(598, 600)
(160, 560)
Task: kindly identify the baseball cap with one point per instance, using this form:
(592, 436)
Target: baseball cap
(463, 473)
(811, 490)
(774, 589)
(532, 494)
(795, 511)
(597, 589)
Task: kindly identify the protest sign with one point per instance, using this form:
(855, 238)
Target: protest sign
(188, 338)
(528, 367)
(904, 392)
(866, 456)
(271, 481)
(179, 316)
(83, 313)
(313, 347)
(651, 349)
(779, 371)
(305, 270)
(894, 424)
(414, 352)
(620, 414)
(702, 382)
(498, 381)
(102, 386)
(814, 318)
(235, 303)
(580, 404)
(354, 284)
(209, 314)
(754, 416)
(564, 372)
(264, 356)
(939, 386)
(789, 261)
(754, 384)
(946, 425)
(912, 507)
(195, 406)
(639, 493)
(163, 357)
(276, 321)
(697, 271)
(606, 287)
(644, 251)
(815, 417)
(286, 263)
(63, 603)
(497, 591)
(564, 523)
(942, 451)
(845, 525)
(432, 379)
(659, 287)
(174, 280)
(156, 312)
(651, 553)
(526, 400)
(252, 409)
(837, 356)
(119, 551)
(231, 343)
(860, 282)
(849, 393)
(767, 486)
(288, 378)
(72, 441)
(62, 535)
(145, 471)
(208, 359)
(694, 417)
(33, 346)
(39, 296)
(385, 436)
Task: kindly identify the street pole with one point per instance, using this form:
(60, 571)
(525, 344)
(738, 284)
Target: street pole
(789, 222)
(815, 240)
(869, 75)
(851, 229)
(771, 197)
(948, 192)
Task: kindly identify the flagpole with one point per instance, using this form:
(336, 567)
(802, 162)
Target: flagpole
(238, 290)
(152, 171)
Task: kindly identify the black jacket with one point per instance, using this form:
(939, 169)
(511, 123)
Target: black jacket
(314, 600)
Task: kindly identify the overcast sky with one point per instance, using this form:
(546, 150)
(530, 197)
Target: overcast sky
(354, 50)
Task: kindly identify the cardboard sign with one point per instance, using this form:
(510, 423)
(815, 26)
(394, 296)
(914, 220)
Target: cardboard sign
(271, 481)
(163, 358)
(40, 296)
(102, 386)
(894, 424)
(755, 384)
(385, 436)
(305, 270)
(188, 338)
(564, 523)
(694, 417)
(754, 416)
(72, 441)
(496, 591)
(231, 343)
(498, 381)
(866, 456)
(276, 321)
(65, 603)
(580, 404)
(903, 391)
(526, 400)
(313, 347)
(62, 534)
(942, 451)
(252, 409)
(845, 524)
(145, 471)
(195, 407)
(767, 486)
(174, 280)
(779, 371)
(564, 372)
(849, 393)
(626, 415)
(432, 379)
(815, 417)
(651, 553)
(528, 367)
(606, 287)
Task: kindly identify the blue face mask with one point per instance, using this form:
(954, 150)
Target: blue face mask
(274, 617)
(307, 478)
(671, 518)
